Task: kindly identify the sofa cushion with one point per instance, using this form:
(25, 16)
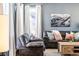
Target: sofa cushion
(76, 36)
(35, 40)
(26, 37)
(69, 36)
(57, 35)
(50, 35)
(23, 39)
(63, 33)
(35, 44)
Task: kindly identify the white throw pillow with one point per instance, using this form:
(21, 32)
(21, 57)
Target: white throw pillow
(77, 36)
(57, 35)
(50, 35)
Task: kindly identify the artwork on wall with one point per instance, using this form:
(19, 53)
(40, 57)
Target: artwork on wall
(60, 20)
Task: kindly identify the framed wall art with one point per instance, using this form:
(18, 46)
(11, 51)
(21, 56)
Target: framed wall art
(60, 20)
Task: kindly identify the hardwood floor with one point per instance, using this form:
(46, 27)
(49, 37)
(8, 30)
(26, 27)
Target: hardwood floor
(51, 52)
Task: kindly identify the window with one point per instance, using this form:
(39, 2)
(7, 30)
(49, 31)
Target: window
(33, 20)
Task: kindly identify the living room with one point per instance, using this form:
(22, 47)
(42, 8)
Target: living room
(36, 20)
(43, 29)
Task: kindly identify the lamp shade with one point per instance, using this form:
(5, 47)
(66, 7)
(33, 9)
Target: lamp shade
(4, 33)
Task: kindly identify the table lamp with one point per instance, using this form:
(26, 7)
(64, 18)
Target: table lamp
(4, 33)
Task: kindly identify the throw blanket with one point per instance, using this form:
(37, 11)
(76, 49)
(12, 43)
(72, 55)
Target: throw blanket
(57, 35)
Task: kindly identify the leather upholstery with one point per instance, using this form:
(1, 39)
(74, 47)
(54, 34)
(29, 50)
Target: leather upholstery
(28, 47)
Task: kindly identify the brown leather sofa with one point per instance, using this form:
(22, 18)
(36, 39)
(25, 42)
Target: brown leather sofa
(33, 47)
(53, 43)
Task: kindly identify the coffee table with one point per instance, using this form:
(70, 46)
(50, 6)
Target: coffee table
(68, 48)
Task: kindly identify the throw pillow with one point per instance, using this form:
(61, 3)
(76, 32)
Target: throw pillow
(50, 35)
(76, 36)
(57, 35)
(69, 36)
(26, 37)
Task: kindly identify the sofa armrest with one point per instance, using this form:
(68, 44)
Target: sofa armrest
(46, 39)
(35, 40)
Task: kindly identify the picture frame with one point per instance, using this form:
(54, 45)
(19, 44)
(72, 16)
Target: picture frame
(60, 20)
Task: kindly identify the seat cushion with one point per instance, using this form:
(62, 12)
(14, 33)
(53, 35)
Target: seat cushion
(35, 44)
(34, 40)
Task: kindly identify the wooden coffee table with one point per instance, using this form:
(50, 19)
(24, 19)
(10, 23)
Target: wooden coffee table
(68, 48)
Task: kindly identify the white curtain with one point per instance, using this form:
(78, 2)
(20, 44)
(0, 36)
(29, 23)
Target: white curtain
(33, 22)
(19, 20)
(39, 24)
(16, 25)
(27, 21)
(11, 29)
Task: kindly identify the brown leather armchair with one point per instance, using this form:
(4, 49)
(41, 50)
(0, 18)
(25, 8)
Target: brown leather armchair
(28, 47)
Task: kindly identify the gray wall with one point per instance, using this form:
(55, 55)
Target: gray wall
(59, 8)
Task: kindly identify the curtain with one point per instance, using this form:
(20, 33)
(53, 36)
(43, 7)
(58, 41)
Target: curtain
(39, 24)
(16, 25)
(11, 30)
(19, 20)
(33, 21)
(27, 19)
